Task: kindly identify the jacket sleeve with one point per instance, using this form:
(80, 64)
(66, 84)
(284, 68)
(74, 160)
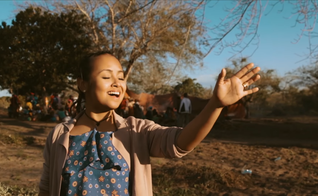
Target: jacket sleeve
(161, 140)
(45, 178)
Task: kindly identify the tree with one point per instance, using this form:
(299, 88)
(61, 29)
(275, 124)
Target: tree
(189, 86)
(40, 51)
(270, 83)
(144, 33)
(138, 31)
(243, 16)
(306, 95)
(306, 76)
(154, 76)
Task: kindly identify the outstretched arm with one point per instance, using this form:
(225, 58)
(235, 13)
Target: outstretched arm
(226, 92)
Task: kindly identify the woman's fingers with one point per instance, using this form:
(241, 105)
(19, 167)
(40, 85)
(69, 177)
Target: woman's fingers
(244, 70)
(222, 75)
(250, 91)
(250, 74)
(251, 80)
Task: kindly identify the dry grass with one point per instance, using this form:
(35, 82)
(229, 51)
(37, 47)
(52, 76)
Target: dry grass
(17, 191)
(213, 168)
(188, 180)
(15, 139)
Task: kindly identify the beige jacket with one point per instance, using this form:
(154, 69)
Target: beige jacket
(136, 140)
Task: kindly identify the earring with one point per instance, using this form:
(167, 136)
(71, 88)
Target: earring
(84, 91)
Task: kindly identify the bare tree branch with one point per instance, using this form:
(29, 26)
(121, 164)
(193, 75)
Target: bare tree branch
(114, 25)
(226, 33)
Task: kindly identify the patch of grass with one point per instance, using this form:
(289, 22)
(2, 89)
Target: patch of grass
(21, 154)
(185, 180)
(7, 138)
(18, 191)
(29, 140)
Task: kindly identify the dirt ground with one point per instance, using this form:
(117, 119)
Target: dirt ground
(231, 145)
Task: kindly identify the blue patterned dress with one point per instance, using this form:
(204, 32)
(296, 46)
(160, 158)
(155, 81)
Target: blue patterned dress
(94, 167)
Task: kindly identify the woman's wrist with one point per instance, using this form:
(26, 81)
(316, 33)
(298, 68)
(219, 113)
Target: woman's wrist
(215, 103)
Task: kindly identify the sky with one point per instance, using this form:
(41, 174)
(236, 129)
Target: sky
(276, 48)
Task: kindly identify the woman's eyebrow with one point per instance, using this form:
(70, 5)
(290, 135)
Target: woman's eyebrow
(109, 70)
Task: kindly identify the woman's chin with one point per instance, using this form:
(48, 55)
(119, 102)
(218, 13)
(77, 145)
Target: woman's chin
(111, 106)
(105, 108)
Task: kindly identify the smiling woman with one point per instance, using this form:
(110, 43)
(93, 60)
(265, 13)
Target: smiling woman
(100, 153)
(103, 84)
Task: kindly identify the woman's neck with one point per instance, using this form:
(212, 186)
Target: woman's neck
(102, 121)
(99, 116)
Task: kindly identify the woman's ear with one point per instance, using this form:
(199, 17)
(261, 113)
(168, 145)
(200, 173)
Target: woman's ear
(82, 85)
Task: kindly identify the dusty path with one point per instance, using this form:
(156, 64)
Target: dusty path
(254, 143)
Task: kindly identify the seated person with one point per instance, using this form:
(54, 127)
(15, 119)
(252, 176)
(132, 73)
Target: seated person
(29, 105)
(60, 114)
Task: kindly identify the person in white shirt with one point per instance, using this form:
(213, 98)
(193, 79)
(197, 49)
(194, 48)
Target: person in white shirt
(185, 110)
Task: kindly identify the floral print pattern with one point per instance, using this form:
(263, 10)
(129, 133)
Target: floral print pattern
(94, 166)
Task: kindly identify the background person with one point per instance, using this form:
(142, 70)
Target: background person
(185, 110)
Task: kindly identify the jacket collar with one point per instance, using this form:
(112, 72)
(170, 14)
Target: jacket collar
(120, 122)
(121, 137)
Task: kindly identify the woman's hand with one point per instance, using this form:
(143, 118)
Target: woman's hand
(229, 91)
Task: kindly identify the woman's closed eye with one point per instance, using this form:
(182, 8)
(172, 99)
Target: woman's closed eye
(120, 78)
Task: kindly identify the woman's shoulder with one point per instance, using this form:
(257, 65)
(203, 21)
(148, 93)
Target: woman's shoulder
(135, 124)
(60, 128)
(140, 125)
(134, 120)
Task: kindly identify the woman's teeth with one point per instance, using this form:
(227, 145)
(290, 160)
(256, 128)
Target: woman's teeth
(113, 93)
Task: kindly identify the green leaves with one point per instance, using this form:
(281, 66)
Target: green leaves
(40, 50)
(189, 86)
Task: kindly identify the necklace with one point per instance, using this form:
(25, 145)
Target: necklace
(97, 122)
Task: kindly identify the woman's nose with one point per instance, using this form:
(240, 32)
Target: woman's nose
(115, 83)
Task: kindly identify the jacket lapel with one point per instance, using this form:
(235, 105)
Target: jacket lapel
(65, 134)
(122, 138)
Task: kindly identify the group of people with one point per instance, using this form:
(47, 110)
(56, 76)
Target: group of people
(59, 111)
(49, 109)
(32, 109)
(55, 110)
(101, 153)
(171, 116)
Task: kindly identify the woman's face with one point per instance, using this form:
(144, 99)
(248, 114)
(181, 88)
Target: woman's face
(107, 86)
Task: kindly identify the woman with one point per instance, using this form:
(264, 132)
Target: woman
(100, 153)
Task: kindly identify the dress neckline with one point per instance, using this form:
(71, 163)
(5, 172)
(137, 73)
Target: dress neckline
(101, 132)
